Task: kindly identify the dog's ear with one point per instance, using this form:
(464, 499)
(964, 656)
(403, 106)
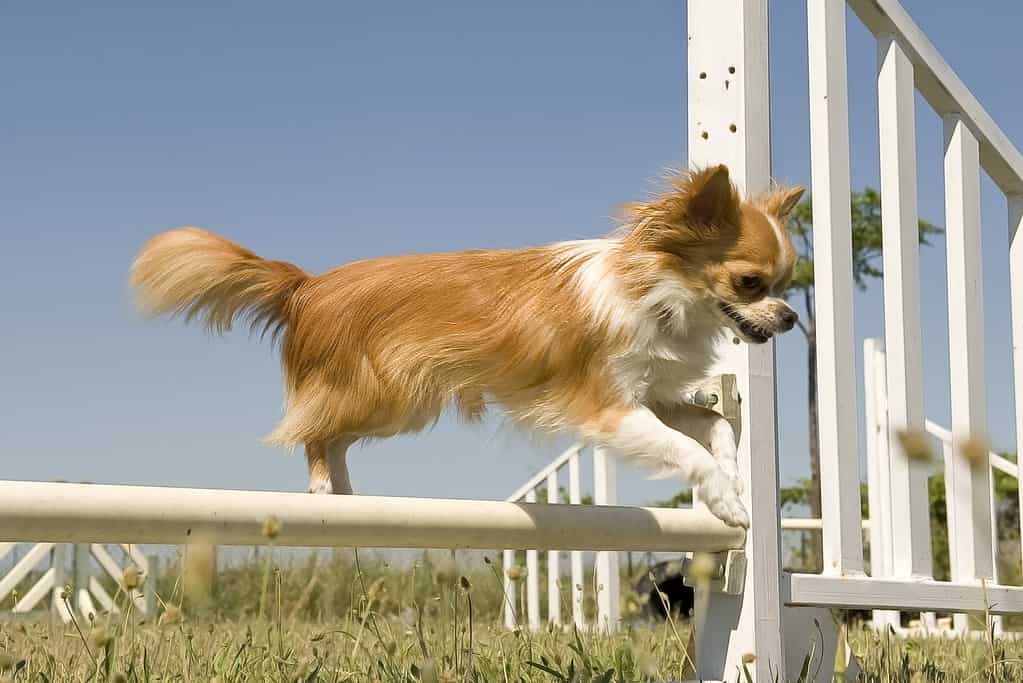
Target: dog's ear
(781, 201)
(709, 198)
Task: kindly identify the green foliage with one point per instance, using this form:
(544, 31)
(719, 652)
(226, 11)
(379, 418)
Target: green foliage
(683, 498)
(866, 239)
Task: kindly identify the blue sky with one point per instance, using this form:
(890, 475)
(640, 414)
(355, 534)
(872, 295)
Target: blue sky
(325, 132)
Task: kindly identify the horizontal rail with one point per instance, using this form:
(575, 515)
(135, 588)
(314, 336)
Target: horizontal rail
(928, 595)
(541, 476)
(88, 513)
(1000, 463)
(810, 524)
(944, 90)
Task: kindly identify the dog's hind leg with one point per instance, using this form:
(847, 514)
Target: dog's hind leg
(337, 462)
(319, 469)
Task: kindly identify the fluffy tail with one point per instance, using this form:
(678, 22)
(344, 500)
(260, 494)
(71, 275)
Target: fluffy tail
(192, 272)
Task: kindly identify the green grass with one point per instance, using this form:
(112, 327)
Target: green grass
(335, 619)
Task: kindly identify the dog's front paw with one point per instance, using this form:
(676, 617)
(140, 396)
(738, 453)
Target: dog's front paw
(721, 494)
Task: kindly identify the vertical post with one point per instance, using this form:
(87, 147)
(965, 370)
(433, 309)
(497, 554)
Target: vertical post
(833, 284)
(151, 577)
(729, 122)
(605, 492)
(903, 346)
(82, 572)
(970, 504)
(948, 457)
(872, 432)
(996, 619)
(510, 592)
(58, 560)
(878, 484)
(1015, 205)
(575, 498)
(532, 580)
(553, 561)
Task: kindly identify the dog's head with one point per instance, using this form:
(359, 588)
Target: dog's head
(732, 256)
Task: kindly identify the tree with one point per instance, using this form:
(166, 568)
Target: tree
(866, 257)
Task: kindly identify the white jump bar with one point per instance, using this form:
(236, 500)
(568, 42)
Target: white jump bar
(91, 513)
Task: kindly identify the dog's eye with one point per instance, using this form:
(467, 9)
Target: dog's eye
(750, 283)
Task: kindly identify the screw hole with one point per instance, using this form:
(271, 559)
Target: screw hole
(731, 69)
(733, 128)
(703, 75)
(704, 135)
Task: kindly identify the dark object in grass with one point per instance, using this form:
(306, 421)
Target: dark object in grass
(665, 577)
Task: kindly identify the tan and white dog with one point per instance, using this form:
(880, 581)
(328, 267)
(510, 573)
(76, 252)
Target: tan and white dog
(598, 336)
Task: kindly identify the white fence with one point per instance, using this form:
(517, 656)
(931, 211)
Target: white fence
(81, 566)
(773, 615)
(606, 575)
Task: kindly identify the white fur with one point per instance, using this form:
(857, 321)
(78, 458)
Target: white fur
(668, 353)
(784, 245)
(645, 439)
(595, 280)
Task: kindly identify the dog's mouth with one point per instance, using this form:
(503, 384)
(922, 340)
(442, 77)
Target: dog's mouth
(749, 331)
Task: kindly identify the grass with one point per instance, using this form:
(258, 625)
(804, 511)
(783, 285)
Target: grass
(337, 619)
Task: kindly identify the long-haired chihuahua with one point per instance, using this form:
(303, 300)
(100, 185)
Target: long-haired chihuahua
(601, 337)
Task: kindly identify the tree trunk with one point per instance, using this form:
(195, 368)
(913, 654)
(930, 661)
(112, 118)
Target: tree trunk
(816, 548)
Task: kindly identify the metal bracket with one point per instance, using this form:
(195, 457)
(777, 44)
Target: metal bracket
(720, 394)
(728, 575)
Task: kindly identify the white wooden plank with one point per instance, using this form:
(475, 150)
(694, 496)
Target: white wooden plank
(84, 603)
(107, 562)
(899, 594)
(943, 89)
(541, 476)
(5, 548)
(1015, 206)
(137, 556)
(59, 606)
(36, 593)
(970, 489)
(903, 345)
(879, 487)
(22, 567)
(871, 437)
(553, 561)
(532, 579)
(833, 286)
(576, 556)
(101, 595)
(605, 492)
(810, 524)
(511, 602)
(728, 41)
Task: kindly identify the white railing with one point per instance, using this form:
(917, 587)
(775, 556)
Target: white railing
(87, 589)
(879, 459)
(901, 576)
(606, 574)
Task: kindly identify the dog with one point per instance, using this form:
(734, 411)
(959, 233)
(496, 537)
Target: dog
(598, 336)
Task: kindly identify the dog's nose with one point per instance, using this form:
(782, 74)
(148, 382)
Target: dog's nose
(788, 319)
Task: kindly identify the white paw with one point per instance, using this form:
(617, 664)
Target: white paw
(721, 493)
(320, 486)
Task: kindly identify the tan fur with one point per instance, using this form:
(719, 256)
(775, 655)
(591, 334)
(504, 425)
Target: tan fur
(379, 347)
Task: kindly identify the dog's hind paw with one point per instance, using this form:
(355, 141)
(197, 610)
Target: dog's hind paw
(320, 486)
